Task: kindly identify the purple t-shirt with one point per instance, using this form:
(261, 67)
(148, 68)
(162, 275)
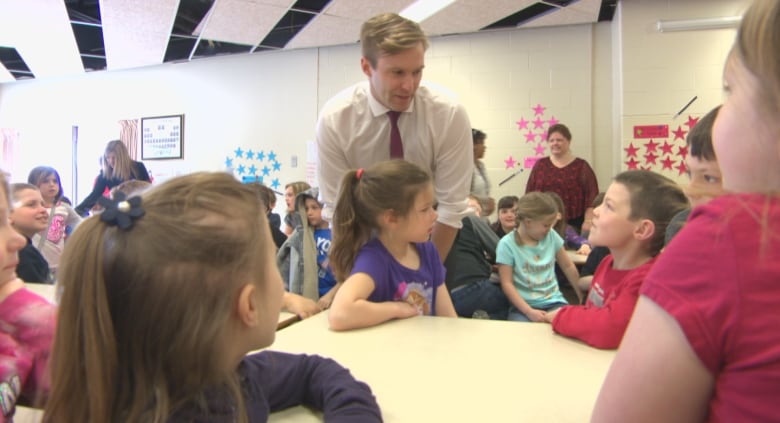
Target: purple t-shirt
(27, 324)
(395, 282)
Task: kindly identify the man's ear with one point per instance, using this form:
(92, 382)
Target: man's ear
(246, 306)
(365, 65)
(645, 229)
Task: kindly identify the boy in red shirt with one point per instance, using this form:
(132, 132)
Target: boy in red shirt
(631, 222)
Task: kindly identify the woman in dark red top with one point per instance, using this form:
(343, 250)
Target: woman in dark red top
(566, 175)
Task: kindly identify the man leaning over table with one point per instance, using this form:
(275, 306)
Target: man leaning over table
(357, 127)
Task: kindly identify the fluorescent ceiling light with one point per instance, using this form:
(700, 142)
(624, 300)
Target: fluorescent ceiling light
(423, 9)
(699, 24)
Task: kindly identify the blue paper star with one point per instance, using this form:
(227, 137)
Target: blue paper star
(260, 156)
(277, 166)
(252, 169)
(266, 171)
(271, 156)
(250, 155)
(241, 169)
(275, 184)
(228, 162)
(239, 152)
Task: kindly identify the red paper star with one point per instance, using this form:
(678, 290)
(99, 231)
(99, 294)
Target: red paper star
(510, 162)
(667, 163)
(679, 133)
(530, 137)
(538, 123)
(539, 149)
(539, 110)
(631, 150)
(650, 158)
(666, 148)
(682, 151)
(632, 164)
(691, 122)
(522, 124)
(552, 121)
(651, 145)
(681, 168)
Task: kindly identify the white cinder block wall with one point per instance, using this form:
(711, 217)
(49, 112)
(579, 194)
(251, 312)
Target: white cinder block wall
(598, 79)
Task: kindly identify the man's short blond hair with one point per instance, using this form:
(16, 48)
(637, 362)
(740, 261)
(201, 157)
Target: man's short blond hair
(389, 33)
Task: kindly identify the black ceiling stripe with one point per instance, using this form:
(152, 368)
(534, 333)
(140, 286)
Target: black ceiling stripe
(13, 61)
(87, 25)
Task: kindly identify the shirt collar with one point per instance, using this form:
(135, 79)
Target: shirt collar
(377, 108)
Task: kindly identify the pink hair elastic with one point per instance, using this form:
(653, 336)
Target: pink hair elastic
(359, 173)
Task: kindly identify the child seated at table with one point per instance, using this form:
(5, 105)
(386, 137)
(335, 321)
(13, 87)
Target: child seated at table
(706, 181)
(631, 222)
(526, 260)
(303, 259)
(507, 207)
(29, 217)
(571, 239)
(381, 248)
(27, 327)
(163, 297)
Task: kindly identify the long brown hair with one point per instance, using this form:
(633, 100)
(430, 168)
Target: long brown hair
(533, 206)
(145, 312)
(365, 194)
(123, 165)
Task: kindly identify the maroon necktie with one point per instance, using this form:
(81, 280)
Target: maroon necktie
(396, 147)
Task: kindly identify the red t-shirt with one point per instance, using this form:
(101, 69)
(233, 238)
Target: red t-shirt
(602, 321)
(720, 279)
(575, 183)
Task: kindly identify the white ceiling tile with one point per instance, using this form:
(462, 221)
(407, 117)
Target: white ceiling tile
(472, 15)
(136, 33)
(327, 31)
(242, 21)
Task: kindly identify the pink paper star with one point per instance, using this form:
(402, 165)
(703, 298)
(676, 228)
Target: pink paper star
(691, 122)
(552, 121)
(539, 110)
(538, 123)
(530, 137)
(681, 168)
(510, 162)
(650, 158)
(666, 148)
(679, 133)
(651, 145)
(667, 163)
(682, 151)
(539, 149)
(631, 150)
(632, 164)
(522, 124)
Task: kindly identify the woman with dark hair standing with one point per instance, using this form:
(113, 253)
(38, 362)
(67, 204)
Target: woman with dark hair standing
(118, 167)
(480, 185)
(566, 175)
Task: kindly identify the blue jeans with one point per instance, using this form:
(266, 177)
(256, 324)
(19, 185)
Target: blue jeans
(480, 295)
(516, 315)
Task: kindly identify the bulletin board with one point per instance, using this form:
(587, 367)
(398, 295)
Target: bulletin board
(162, 137)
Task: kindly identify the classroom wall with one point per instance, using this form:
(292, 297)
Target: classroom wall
(662, 72)
(599, 79)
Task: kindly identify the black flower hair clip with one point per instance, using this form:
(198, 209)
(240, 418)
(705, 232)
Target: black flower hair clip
(120, 212)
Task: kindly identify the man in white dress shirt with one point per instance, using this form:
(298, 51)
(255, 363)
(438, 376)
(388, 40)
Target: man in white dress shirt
(354, 129)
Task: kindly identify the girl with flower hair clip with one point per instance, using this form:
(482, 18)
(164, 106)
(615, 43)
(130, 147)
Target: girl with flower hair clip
(162, 301)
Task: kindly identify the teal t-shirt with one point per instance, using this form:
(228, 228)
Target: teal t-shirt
(533, 268)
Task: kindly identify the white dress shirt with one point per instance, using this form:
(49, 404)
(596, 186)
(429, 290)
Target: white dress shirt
(353, 131)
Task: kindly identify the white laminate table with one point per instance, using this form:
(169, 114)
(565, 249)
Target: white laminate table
(434, 369)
